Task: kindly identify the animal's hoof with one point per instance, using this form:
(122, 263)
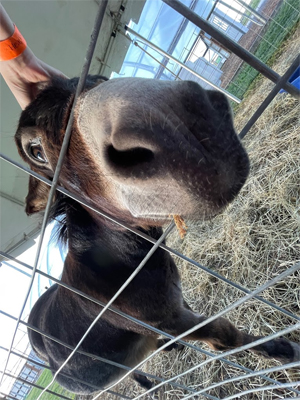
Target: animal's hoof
(177, 346)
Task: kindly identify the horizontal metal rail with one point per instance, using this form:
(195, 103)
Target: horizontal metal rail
(28, 236)
(231, 45)
(147, 237)
(24, 357)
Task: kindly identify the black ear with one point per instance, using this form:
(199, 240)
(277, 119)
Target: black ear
(37, 197)
(39, 87)
(219, 101)
(94, 80)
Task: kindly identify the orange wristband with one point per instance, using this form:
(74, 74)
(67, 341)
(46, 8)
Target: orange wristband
(13, 46)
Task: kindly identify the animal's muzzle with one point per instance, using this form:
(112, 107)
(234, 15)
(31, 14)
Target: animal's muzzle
(146, 132)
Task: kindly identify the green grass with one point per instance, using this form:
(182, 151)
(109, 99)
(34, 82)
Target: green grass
(273, 37)
(44, 379)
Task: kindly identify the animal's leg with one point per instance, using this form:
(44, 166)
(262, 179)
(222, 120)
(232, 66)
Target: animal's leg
(146, 384)
(187, 306)
(221, 335)
(142, 380)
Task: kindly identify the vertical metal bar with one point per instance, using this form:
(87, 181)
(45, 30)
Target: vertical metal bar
(81, 84)
(270, 97)
(161, 51)
(245, 55)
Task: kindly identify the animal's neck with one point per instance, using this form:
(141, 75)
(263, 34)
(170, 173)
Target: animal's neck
(109, 253)
(86, 230)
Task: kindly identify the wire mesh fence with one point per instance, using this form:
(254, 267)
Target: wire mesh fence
(273, 381)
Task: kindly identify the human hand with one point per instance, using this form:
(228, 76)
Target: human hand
(23, 73)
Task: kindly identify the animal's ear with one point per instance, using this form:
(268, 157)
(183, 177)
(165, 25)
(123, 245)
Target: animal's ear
(219, 102)
(94, 80)
(39, 87)
(37, 197)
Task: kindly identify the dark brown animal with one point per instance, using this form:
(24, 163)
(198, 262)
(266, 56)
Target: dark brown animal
(140, 150)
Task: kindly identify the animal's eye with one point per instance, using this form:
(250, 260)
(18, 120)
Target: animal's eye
(37, 153)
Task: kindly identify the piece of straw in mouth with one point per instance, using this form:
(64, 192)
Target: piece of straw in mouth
(181, 225)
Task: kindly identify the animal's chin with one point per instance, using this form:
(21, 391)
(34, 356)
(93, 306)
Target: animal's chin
(164, 217)
(154, 208)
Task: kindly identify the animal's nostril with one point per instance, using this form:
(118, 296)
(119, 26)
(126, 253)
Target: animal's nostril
(129, 158)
